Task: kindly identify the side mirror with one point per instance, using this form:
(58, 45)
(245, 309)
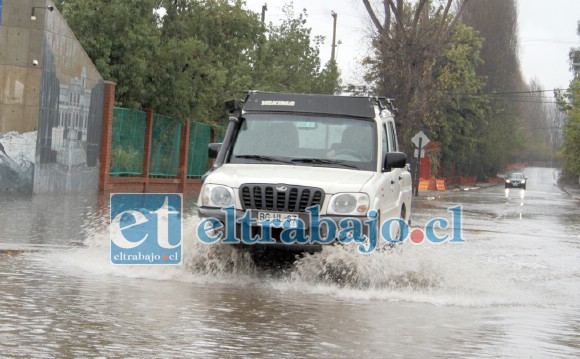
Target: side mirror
(213, 149)
(394, 160)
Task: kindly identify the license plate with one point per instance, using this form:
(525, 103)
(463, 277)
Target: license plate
(270, 216)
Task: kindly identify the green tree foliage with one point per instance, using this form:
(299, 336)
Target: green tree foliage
(427, 60)
(182, 62)
(290, 60)
(569, 103)
(409, 40)
(121, 37)
(206, 50)
(571, 147)
(458, 114)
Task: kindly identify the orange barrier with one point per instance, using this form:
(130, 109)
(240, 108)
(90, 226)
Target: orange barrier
(424, 185)
(432, 184)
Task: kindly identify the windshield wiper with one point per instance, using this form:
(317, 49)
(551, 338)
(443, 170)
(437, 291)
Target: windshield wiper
(262, 158)
(318, 161)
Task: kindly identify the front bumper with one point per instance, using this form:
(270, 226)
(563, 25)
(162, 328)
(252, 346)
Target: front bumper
(277, 244)
(515, 185)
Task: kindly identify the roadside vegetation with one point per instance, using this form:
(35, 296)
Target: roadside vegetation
(178, 56)
(451, 66)
(569, 102)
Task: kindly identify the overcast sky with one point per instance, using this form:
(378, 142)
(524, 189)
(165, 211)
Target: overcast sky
(547, 31)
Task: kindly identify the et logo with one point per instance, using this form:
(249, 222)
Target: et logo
(146, 228)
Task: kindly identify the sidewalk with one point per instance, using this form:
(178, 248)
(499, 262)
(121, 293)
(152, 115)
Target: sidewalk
(432, 194)
(572, 190)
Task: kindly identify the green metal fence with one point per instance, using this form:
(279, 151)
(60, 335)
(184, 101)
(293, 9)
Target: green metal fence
(220, 132)
(165, 144)
(128, 145)
(128, 142)
(199, 137)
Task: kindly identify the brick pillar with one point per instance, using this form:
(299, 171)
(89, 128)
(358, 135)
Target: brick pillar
(184, 155)
(147, 150)
(108, 107)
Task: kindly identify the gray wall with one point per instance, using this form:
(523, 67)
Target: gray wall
(51, 101)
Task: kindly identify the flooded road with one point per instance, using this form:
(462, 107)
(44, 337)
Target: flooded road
(511, 290)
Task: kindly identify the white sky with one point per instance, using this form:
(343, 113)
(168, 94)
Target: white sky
(547, 32)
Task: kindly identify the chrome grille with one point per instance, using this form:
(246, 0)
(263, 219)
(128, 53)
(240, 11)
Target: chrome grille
(280, 197)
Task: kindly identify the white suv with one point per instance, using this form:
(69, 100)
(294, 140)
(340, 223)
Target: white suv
(285, 154)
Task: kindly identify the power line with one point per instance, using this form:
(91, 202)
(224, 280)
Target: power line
(515, 96)
(518, 92)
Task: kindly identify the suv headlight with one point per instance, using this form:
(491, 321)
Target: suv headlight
(356, 204)
(215, 195)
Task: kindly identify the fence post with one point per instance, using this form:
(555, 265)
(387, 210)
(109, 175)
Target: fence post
(184, 155)
(212, 137)
(108, 108)
(147, 150)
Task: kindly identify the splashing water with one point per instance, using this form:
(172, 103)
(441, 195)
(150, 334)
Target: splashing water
(216, 259)
(426, 273)
(199, 260)
(346, 267)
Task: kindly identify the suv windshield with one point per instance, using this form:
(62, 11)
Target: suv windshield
(305, 140)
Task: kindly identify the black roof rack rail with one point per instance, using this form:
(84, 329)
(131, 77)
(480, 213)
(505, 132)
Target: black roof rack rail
(386, 103)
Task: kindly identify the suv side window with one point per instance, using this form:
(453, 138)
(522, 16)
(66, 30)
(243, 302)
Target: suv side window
(392, 137)
(384, 142)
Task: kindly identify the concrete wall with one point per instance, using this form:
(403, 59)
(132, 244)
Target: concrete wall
(51, 103)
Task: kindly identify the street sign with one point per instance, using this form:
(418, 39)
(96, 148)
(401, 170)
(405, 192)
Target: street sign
(422, 152)
(420, 140)
(422, 136)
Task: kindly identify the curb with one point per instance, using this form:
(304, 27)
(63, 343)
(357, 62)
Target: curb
(457, 188)
(573, 194)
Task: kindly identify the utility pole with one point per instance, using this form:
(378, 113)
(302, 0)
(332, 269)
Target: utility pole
(333, 53)
(264, 9)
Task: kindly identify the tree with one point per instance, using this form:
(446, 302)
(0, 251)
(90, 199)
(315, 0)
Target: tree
(121, 38)
(427, 60)
(569, 102)
(460, 113)
(207, 48)
(540, 121)
(290, 60)
(501, 138)
(182, 63)
(407, 44)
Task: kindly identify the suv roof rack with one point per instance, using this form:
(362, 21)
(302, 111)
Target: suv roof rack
(353, 106)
